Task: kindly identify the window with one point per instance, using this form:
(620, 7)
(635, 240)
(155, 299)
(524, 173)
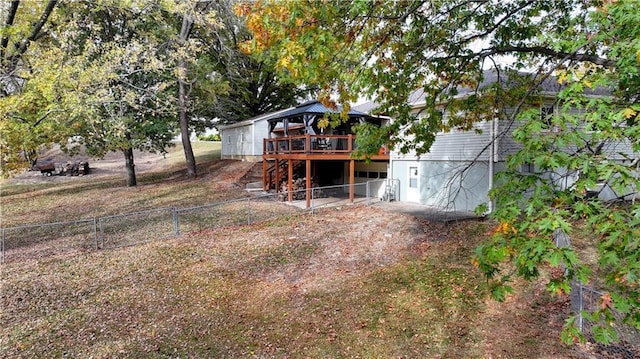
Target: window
(362, 174)
(413, 177)
(229, 139)
(373, 175)
(546, 115)
(528, 168)
(383, 175)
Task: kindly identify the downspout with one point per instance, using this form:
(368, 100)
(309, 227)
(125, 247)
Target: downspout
(391, 180)
(492, 158)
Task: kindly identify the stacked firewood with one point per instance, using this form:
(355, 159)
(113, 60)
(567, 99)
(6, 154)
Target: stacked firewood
(77, 168)
(298, 187)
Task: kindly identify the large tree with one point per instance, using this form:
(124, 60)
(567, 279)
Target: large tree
(101, 79)
(254, 86)
(121, 60)
(105, 76)
(387, 50)
(23, 126)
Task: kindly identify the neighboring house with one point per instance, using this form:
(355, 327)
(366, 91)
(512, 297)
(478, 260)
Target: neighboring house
(244, 140)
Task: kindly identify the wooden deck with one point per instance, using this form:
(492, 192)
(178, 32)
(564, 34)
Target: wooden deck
(314, 147)
(282, 154)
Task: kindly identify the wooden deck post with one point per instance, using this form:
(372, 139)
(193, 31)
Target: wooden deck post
(277, 184)
(352, 169)
(308, 174)
(290, 182)
(264, 174)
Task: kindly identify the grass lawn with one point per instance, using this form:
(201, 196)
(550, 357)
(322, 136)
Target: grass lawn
(353, 282)
(56, 199)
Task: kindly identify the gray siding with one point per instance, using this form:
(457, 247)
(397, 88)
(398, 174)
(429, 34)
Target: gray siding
(615, 150)
(619, 150)
(458, 145)
(506, 144)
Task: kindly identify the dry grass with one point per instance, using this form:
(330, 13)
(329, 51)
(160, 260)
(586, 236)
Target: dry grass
(355, 282)
(53, 199)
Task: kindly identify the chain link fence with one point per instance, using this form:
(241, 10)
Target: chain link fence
(588, 299)
(136, 227)
(107, 232)
(43, 240)
(585, 299)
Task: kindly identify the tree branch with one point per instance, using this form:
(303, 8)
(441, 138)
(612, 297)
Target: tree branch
(24, 44)
(549, 52)
(10, 18)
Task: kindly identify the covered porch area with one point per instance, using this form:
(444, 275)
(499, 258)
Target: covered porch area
(298, 148)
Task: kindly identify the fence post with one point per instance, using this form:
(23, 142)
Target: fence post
(312, 200)
(368, 192)
(249, 211)
(581, 304)
(2, 245)
(95, 232)
(176, 222)
(101, 233)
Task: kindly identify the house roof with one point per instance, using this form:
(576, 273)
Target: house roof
(306, 108)
(253, 120)
(549, 86)
(366, 107)
(310, 108)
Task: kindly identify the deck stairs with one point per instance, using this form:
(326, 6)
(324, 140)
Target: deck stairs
(284, 170)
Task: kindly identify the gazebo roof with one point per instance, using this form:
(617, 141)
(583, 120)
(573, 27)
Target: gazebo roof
(310, 108)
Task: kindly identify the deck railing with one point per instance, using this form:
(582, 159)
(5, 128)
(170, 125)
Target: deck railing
(308, 144)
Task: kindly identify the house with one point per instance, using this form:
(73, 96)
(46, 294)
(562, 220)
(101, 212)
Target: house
(299, 146)
(456, 174)
(294, 144)
(459, 170)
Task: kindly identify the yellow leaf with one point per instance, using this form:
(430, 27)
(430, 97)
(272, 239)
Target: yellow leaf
(628, 113)
(284, 62)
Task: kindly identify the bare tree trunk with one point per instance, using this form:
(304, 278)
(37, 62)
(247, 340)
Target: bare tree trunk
(187, 24)
(131, 170)
(184, 129)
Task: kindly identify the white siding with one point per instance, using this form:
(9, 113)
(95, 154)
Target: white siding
(367, 172)
(244, 141)
(247, 138)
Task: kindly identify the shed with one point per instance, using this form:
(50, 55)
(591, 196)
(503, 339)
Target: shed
(244, 140)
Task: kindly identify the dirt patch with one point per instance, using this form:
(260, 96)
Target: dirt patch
(112, 165)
